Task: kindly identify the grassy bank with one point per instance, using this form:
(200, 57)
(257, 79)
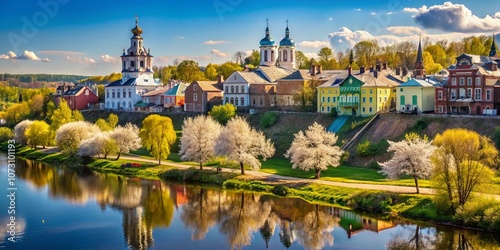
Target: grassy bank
(381, 202)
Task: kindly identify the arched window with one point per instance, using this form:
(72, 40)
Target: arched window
(291, 55)
(113, 105)
(265, 56)
(130, 105)
(232, 101)
(285, 55)
(242, 101)
(132, 64)
(124, 64)
(227, 100)
(236, 101)
(124, 105)
(227, 89)
(232, 89)
(107, 105)
(272, 55)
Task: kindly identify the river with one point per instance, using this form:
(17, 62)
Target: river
(61, 208)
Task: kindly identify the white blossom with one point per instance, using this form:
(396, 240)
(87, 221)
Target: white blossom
(20, 130)
(126, 138)
(70, 135)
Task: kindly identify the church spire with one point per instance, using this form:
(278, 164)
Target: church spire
(420, 57)
(493, 50)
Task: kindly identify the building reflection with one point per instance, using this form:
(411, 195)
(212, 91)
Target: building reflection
(238, 216)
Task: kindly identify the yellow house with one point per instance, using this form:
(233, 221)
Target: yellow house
(329, 92)
(378, 91)
(416, 94)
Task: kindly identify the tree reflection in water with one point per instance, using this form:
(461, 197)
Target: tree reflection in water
(239, 217)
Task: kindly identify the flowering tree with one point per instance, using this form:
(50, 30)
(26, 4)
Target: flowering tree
(20, 130)
(100, 144)
(412, 157)
(243, 144)
(70, 135)
(157, 134)
(198, 139)
(38, 134)
(126, 138)
(314, 149)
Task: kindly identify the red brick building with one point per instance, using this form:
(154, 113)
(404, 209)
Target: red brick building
(201, 96)
(473, 87)
(80, 97)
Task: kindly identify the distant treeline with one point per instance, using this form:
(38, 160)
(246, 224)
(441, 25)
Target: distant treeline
(32, 78)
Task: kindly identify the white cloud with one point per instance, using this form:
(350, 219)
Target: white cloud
(27, 55)
(373, 13)
(311, 55)
(390, 13)
(179, 37)
(81, 60)
(358, 9)
(314, 44)
(109, 59)
(59, 52)
(218, 53)
(344, 38)
(453, 18)
(211, 42)
(405, 30)
(330, 19)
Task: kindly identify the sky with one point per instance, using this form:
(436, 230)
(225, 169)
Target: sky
(87, 37)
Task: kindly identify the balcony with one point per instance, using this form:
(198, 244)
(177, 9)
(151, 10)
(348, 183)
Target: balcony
(348, 104)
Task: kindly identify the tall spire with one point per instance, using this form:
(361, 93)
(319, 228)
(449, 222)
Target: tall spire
(267, 28)
(287, 30)
(420, 57)
(493, 50)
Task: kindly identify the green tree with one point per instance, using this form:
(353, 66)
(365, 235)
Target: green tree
(157, 134)
(223, 113)
(113, 120)
(430, 66)
(253, 59)
(101, 92)
(76, 116)
(189, 71)
(60, 116)
(38, 134)
(17, 112)
(103, 125)
(211, 72)
(302, 62)
(6, 134)
(366, 52)
(227, 68)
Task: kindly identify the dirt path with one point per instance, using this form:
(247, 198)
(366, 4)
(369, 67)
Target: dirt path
(288, 179)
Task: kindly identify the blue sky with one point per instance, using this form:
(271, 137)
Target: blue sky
(87, 37)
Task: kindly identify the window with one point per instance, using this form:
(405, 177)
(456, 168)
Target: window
(371, 109)
(124, 94)
(195, 97)
(323, 99)
(371, 91)
(477, 94)
(440, 95)
(265, 56)
(440, 109)
(113, 94)
(107, 94)
(364, 99)
(254, 102)
(402, 100)
(285, 55)
(134, 44)
(328, 109)
(380, 99)
(414, 100)
(86, 92)
(232, 89)
(371, 99)
(328, 99)
(453, 94)
(334, 99)
(462, 93)
(469, 93)
(132, 64)
(113, 104)
(232, 101)
(236, 103)
(272, 55)
(478, 81)
(243, 101)
(364, 109)
(227, 89)
(129, 94)
(462, 81)
(454, 81)
(124, 64)
(291, 55)
(488, 95)
(141, 64)
(469, 81)
(195, 87)
(227, 100)
(118, 93)
(322, 109)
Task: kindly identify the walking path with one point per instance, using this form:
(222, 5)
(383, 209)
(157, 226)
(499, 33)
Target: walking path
(289, 179)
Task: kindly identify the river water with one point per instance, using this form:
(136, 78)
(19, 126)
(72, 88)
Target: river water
(60, 208)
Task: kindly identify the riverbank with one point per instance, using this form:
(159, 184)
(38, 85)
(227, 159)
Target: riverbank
(383, 202)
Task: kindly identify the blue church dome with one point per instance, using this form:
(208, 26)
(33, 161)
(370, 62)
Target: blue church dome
(267, 41)
(287, 41)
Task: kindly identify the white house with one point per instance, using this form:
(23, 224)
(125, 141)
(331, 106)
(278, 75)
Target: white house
(137, 75)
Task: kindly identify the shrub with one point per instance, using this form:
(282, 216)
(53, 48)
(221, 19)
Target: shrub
(479, 212)
(6, 134)
(366, 148)
(378, 202)
(344, 158)
(333, 112)
(280, 190)
(420, 126)
(268, 119)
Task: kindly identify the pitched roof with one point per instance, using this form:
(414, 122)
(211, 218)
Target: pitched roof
(336, 79)
(272, 73)
(118, 83)
(300, 74)
(159, 91)
(73, 91)
(416, 83)
(253, 77)
(208, 86)
(177, 90)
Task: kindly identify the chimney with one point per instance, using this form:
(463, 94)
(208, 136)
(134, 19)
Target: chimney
(375, 73)
(371, 69)
(320, 69)
(220, 81)
(398, 71)
(377, 67)
(384, 65)
(246, 69)
(349, 70)
(312, 71)
(405, 72)
(362, 69)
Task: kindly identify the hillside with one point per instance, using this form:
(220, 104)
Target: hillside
(394, 127)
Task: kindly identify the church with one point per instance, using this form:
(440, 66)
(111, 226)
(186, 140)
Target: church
(137, 75)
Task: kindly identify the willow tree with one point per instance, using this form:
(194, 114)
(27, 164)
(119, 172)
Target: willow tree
(462, 164)
(157, 134)
(315, 150)
(242, 144)
(38, 134)
(198, 139)
(411, 157)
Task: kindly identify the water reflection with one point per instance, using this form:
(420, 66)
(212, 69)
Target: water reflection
(242, 219)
